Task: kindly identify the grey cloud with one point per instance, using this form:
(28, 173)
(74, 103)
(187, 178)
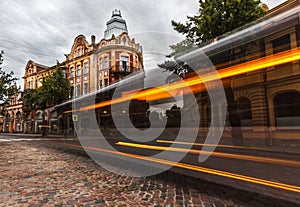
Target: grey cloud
(44, 30)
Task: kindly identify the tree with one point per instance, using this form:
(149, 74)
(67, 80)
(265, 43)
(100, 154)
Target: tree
(7, 87)
(54, 90)
(182, 48)
(31, 100)
(215, 18)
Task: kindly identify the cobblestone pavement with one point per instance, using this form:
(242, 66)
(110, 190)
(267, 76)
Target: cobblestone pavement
(34, 174)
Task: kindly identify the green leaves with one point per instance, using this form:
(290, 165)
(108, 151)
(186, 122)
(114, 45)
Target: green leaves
(54, 90)
(7, 80)
(216, 17)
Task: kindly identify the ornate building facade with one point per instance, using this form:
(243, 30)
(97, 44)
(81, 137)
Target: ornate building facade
(12, 121)
(268, 100)
(89, 66)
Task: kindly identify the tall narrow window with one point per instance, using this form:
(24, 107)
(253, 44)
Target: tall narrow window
(106, 62)
(64, 73)
(244, 109)
(86, 67)
(124, 63)
(78, 90)
(86, 88)
(105, 82)
(72, 72)
(78, 70)
(100, 64)
(100, 84)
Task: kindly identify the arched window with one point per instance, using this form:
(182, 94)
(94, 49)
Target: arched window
(7, 122)
(18, 121)
(19, 115)
(39, 115)
(286, 109)
(244, 108)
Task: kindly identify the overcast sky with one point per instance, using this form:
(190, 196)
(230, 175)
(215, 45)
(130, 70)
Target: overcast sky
(43, 30)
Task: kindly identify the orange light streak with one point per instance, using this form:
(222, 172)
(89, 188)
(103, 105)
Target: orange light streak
(198, 169)
(197, 83)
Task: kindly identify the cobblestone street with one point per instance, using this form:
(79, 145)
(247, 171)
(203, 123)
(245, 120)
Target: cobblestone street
(37, 174)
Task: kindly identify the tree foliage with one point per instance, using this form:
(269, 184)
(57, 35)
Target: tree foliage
(217, 17)
(54, 90)
(31, 99)
(182, 48)
(7, 87)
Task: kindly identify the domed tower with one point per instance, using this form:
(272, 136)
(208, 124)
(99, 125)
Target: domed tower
(115, 26)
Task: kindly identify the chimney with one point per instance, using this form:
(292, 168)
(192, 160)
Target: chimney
(93, 38)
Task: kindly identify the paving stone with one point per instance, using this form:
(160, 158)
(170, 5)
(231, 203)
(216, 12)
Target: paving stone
(38, 173)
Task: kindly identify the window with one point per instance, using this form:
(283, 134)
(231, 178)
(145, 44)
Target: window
(78, 70)
(72, 72)
(105, 82)
(100, 84)
(100, 64)
(40, 82)
(86, 67)
(244, 109)
(78, 90)
(78, 52)
(124, 63)
(86, 88)
(39, 115)
(286, 109)
(64, 73)
(281, 44)
(106, 62)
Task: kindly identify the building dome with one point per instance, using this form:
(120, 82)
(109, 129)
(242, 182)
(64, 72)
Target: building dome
(115, 26)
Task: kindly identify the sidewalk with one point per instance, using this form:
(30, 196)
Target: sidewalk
(22, 135)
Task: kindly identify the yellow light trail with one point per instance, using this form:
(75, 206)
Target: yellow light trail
(216, 154)
(268, 183)
(210, 145)
(197, 83)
